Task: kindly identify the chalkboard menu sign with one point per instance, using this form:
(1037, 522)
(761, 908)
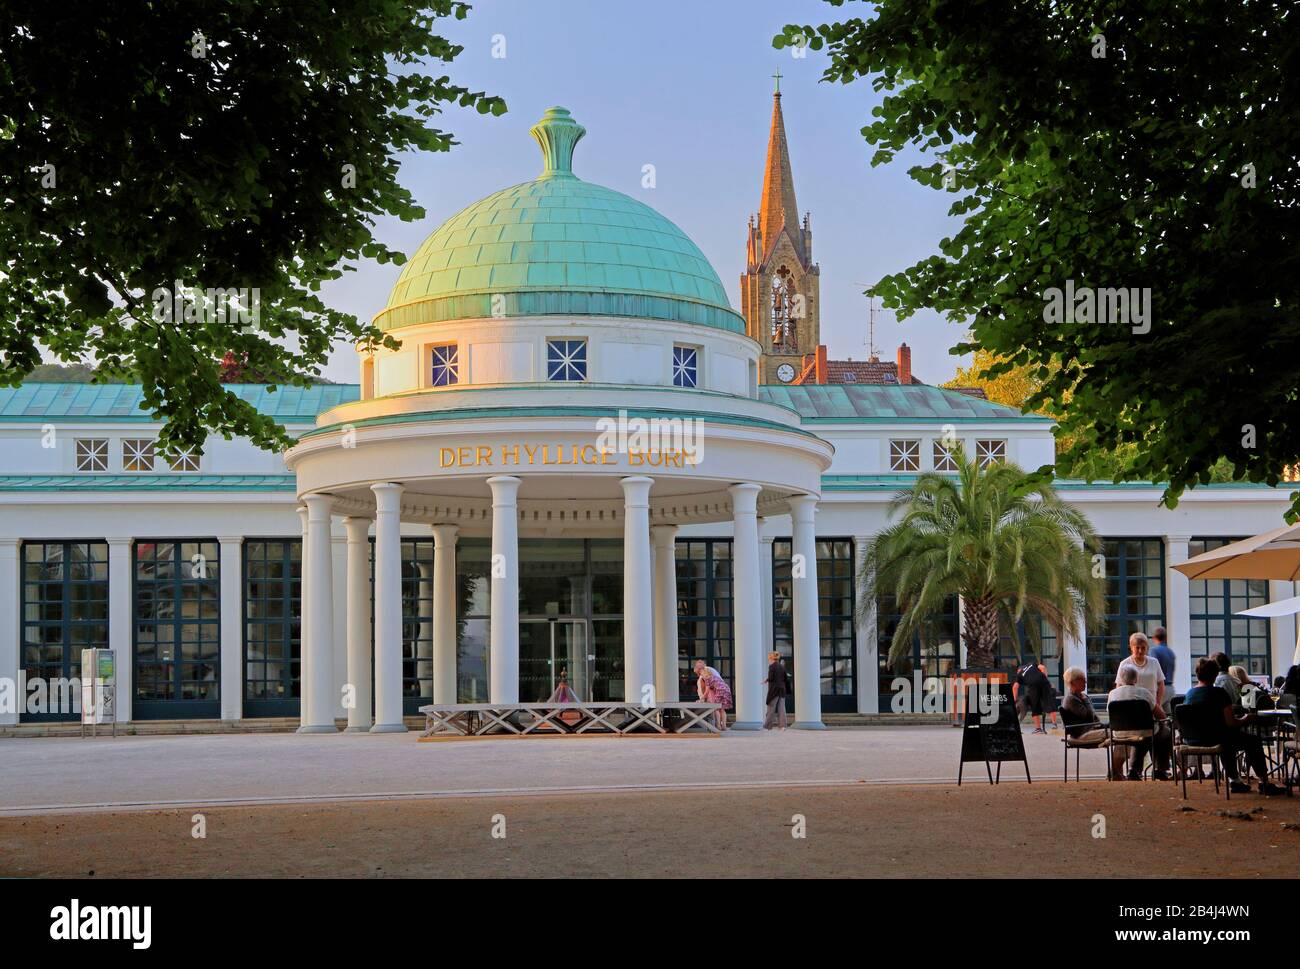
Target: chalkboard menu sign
(991, 732)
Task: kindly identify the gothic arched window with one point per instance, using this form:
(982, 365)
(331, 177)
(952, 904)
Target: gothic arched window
(783, 297)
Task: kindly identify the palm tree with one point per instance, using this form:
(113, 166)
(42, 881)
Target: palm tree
(1006, 543)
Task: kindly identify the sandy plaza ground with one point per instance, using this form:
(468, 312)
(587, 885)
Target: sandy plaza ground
(847, 802)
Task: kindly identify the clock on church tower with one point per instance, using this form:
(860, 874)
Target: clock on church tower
(779, 288)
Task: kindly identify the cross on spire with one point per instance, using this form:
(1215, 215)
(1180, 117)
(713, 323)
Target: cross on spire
(778, 75)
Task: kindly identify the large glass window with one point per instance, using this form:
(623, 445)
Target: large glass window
(272, 627)
(938, 654)
(704, 609)
(1135, 602)
(65, 610)
(1216, 627)
(835, 605)
(177, 629)
(1014, 649)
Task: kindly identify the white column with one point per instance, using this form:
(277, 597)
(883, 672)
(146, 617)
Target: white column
(638, 604)
(304, 621)
(664, 539)
(230, 571)
(119, 623)
(318, 608)
(1281, 630)
(358, 623)
(1074, 651)
(388, 609)
(1178, 611)
(12, 696)
(807, 626)
(444, 614)
(866, 656)
(747, 612)
(503, 631)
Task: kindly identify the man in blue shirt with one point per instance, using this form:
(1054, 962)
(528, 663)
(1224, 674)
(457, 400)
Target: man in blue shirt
(1165, 657)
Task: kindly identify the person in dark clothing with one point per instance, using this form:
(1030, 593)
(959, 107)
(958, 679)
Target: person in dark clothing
(1033, 693)
(778, 688)
(1292, 682)
(1230, 734)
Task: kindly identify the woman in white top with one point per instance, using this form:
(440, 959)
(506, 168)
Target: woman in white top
(1149, 674)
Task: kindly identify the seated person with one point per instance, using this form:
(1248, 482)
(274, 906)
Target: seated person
(1224, 680)
(1230, 734)
(1082, 721)
(1161, 745)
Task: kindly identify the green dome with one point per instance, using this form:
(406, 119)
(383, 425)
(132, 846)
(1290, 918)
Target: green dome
(558, 246)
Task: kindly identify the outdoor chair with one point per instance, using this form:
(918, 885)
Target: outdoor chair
(1132, 725)
(1200, 720)
(1291, 750)
(1070, 721)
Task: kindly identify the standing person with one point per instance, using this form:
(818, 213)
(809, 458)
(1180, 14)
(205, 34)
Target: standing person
(1164, 655)
(1032, 692)
(778, 688)
(1149, 674)
(1160, 744)
(712, 688)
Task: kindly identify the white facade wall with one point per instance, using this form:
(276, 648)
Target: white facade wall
(119, 517)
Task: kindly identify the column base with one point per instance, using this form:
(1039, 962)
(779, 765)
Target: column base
(808, 725)
(746, 725)
(388, 728)
(356, 730)
(306, 728)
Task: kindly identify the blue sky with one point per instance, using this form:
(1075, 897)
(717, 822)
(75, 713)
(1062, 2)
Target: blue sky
(684, 86)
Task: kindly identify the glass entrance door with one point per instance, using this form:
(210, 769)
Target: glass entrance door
(551, 650)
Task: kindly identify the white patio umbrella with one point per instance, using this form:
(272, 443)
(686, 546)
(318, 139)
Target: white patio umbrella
(1283, 607)
(1273, 555)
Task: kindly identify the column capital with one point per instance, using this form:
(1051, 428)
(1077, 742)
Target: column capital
(802, 507)
(318, 507)
(663, 536)
(636, 490)
(230, 539)
(444, 533)
(110, 542)
(504, 488)
(388, 497)
(744, 498)
(766, 539)
(1182, 539)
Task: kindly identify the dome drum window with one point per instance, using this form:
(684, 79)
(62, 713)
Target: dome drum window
(137, 455)
(686, 369)
(92, 454)
(945, 458)
(444, 365)
(566, 360)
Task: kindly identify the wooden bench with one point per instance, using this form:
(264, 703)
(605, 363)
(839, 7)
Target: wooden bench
(523, 719)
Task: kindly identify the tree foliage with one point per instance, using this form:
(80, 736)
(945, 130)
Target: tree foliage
(1002, 540)
(205, 145)
(1134, 145)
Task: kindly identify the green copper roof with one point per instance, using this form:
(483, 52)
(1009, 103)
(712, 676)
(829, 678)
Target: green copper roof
(122, 402)
(858, 403)
(558, 246)
(147, 482)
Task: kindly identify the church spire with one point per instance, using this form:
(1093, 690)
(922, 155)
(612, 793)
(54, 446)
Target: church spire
(778, 209)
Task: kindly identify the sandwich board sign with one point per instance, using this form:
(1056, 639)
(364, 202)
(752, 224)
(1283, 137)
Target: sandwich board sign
(993, 736)
(98, 689)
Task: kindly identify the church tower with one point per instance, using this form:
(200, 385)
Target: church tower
(779, 289)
